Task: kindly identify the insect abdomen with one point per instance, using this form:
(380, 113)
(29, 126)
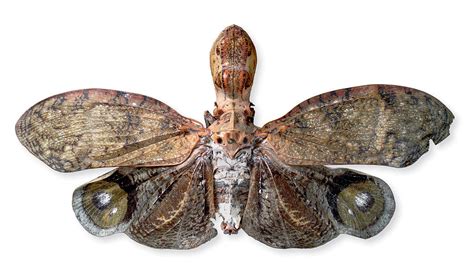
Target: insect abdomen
(231, 181)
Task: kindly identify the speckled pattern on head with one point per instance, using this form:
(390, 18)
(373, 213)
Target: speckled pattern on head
(175, 175)
(233, 61)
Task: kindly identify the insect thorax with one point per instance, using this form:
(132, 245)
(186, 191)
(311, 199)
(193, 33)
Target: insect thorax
(231, 184)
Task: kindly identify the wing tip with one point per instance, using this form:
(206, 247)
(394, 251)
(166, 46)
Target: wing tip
(443, 131)
(439, 132)
(387, 214)
(372, 221)
(22, 131)
(85, 220)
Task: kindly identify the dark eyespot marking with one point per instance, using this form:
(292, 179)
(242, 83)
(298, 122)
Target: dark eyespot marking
(101, 199)
(364, 201)
(104, 202)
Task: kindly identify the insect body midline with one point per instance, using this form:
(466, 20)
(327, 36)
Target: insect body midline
(231, 186)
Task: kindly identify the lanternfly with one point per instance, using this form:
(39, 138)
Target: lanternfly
(174, 174)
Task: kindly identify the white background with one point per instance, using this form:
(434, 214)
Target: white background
(304, 49)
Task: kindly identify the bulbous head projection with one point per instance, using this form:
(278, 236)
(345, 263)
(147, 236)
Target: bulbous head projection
(233, 61)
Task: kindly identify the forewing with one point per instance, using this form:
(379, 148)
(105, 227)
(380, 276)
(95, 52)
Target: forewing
(306, 206)
(103, 128)
(374, 124)
(161, 207)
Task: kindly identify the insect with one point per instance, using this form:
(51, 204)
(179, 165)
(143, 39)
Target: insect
(174, 174)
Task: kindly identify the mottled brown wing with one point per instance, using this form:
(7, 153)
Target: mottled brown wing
(301, 207)
(373, 124)
(161, 207)
(102, 128)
